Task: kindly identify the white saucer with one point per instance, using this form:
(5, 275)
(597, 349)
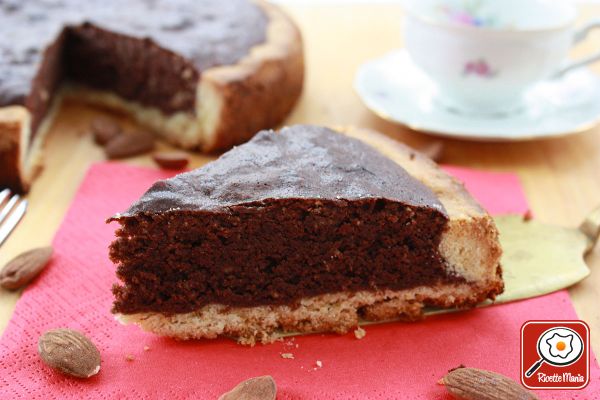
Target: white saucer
(393, 88)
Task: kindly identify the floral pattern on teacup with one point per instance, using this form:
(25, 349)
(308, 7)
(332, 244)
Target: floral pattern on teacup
(478, 68)
(467, 13)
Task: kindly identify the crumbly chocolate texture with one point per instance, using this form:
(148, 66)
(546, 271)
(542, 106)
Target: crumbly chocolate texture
(288, 215)
(151, 51)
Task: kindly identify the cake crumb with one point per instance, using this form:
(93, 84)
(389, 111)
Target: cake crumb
(319, 364)
(129, 357)
(360, 333)
(287, 355)
(528, 216)
(146, 348)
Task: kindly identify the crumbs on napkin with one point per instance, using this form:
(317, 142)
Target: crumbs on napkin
(360, 333)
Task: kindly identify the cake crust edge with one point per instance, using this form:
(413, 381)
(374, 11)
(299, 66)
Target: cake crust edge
(270, 79)
(344, 311)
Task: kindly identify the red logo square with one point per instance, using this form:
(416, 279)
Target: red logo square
(555, 354)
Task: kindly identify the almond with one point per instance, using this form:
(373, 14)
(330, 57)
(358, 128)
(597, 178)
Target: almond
(479, 384)
(171, 159)
(24, 268)
(104, 129)
(70, 352)
(259, 388)
(128, 145)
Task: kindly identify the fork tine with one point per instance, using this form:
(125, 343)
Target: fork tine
(4, 195)
(12, 221)
(8, 207)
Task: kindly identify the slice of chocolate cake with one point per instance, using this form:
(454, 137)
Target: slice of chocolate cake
(301, 230)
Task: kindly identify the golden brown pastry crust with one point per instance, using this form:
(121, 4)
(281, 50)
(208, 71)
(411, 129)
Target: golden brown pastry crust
(261, 89)
(337, 312)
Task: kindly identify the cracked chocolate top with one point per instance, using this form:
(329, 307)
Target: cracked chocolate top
(207, 32)
(299, 162)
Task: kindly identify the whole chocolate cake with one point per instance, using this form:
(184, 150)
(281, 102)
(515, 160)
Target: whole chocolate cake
(206, 74)
(304, 229)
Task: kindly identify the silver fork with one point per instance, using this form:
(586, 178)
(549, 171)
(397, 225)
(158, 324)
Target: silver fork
(12, 209)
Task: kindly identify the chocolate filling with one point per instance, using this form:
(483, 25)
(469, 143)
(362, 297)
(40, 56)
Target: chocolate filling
(135, 69)
(46, 82)
(148, 51)
(288, 215)
(275, 252)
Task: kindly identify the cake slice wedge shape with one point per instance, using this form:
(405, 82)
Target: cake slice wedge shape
(302, 230)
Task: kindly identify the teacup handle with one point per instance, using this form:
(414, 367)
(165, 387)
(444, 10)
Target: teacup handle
(578, 37)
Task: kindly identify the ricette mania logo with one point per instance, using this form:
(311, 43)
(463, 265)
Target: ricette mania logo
(555, 354)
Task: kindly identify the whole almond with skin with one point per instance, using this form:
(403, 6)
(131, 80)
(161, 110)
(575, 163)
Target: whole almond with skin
(129, 145)
(479, 384)
(259, 388)
(24, 268)
(171, 159)
(70, 352)
(104, 129)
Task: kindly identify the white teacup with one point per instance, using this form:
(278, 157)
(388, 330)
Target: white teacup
(484, 54)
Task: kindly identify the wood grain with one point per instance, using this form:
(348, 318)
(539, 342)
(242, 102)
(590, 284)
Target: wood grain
(561, 177)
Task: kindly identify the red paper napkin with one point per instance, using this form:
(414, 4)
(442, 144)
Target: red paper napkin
(393, 361)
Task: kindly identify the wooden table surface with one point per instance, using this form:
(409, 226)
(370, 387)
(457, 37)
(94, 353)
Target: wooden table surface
(561, 177)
